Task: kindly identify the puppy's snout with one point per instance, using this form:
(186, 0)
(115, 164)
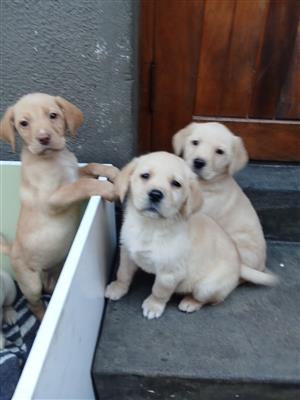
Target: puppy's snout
(199, 163)
(156, 195)
(44, 139)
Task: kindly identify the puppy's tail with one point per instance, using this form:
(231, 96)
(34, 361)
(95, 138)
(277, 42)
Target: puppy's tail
(258, 277)
(5, 246)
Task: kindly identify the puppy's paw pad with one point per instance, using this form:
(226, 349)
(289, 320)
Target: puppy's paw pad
(152, 308)
(2, 341)
(9, 315)
(188, 304)
(115, 290)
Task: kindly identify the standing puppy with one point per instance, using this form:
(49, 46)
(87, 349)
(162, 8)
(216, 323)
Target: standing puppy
(215, 154)
(188, 253)
(52, 187)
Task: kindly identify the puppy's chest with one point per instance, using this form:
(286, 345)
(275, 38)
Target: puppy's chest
(216, 205)
(144, 253)
(152, 250)
(40, 182)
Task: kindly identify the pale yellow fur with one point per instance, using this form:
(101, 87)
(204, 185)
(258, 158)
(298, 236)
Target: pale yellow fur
(52, 187)
(185, 249)
(224, 200)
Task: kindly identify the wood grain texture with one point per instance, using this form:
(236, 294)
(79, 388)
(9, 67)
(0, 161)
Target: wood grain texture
(177, 41)
(146, 56)
(222, 58)
(216, 33)
(238, 77)
(266, 140)
(275, 57)
(289, 106)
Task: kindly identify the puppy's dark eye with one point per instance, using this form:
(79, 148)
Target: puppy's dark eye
(220, 151)
(145, 176)
(53, 115)
(24, 123)
(176, 184)
(195, 142)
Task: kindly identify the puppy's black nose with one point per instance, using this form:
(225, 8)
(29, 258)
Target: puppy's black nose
(199, 163)
(44, 140)
(155, 195)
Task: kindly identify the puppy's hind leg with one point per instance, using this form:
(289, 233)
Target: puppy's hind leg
(50, 278)
(31, 286)
(189, 304)
(214, 288)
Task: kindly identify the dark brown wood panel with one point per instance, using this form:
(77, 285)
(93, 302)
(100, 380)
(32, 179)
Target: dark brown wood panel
(216, 32)
(259, 137)
(238, 77)
(275, 57)
(216, 59)
(289, 107)
(176, 59)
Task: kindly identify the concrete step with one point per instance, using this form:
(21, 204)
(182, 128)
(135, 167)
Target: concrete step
(274, 190)
(247, 348)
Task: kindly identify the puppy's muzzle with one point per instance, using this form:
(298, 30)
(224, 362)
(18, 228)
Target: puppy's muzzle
(155, 196)
(199, 163)
(44, 139)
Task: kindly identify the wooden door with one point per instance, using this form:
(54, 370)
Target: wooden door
(232, 61)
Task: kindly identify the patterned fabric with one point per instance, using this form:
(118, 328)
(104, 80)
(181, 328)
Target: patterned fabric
(19, 339)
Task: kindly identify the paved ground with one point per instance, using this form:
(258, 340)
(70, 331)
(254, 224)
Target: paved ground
(247, 348)
(253, 337)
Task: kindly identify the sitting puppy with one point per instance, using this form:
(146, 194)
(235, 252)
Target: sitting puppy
(187, 251)
(52, 187)
(7, 297)
(215, 154)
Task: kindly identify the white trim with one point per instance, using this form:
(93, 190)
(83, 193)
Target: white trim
(14, 163)
(39, 351)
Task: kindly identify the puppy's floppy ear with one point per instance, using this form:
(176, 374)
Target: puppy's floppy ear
(7, 129)
(179, 139)
(239, 156)
(122, 181)
(73, 116)
(194, 199)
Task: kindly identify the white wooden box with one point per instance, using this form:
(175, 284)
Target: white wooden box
(59, 364)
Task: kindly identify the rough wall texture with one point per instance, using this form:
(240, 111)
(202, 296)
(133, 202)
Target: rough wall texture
(84, 50)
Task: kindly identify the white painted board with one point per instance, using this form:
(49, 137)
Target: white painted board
(59, 364)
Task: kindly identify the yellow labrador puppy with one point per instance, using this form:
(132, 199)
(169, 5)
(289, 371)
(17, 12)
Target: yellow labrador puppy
(51, 188)
(188, 253)
(215, 154)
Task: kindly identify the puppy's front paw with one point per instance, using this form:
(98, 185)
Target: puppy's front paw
(114, 172)
(9, 315)
(107, 191)
(189, 304)
(152, 308)
(2, 341)
(115, 290)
